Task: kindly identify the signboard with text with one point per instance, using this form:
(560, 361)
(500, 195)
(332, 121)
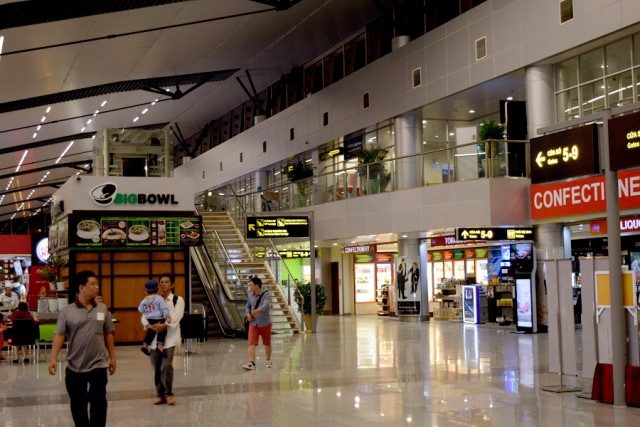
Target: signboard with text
(496, 233)
(582, 196)
(277, 226)
(624, 141)
(565, 154)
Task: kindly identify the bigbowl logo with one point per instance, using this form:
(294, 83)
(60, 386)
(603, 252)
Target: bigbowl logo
(104, 194)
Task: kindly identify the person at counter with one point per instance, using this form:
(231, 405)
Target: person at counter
(20, 313)
(2, 329)
(9, 298)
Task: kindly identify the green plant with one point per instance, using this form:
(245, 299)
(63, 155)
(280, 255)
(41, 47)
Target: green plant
(304, 304)
(51, 271)
(490, 129)
(370, 157)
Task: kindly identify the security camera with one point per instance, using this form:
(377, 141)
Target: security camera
(78, 178)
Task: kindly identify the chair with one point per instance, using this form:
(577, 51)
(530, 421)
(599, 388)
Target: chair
(192, 327)
(47, 331)
(24, 332)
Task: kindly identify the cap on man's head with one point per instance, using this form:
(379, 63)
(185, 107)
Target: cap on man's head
(151, 286)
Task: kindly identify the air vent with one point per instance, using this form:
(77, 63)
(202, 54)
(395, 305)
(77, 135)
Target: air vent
(240, 157)
(325, 119)
(365, 100)
(481, 48)
(566, 11)
(416, 77)
(264, 146)
(292, 134)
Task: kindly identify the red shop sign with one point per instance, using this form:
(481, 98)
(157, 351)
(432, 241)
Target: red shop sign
(627, 225)
(582, 196)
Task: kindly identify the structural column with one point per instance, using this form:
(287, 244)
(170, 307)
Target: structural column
(408, 170)
(540, 98)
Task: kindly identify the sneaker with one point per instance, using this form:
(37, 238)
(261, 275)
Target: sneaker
(161, 400)
(269, 363)
(249, 366)
(171, 400)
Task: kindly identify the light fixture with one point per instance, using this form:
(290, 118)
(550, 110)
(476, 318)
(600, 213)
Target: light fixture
(48, 109)
(43, 119)
(509, 98)
(35, 134)
(82, 129)
(145, 111)
(136, 118)
(64, 152)
(1, 43)
(24, 155)
(89, 122)
(472, 111)
(95, 113)
(103, 103)
(39, 127)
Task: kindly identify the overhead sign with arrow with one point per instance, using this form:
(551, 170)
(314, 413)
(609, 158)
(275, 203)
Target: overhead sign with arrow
(259, 227)
(565, 154)
(495, 233)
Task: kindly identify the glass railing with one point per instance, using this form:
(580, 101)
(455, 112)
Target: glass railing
(487, 159)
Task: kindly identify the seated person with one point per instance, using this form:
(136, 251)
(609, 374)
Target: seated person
(20, 313)
(9, 298)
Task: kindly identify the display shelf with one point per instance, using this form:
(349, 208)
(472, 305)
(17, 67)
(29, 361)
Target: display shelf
(382, 300)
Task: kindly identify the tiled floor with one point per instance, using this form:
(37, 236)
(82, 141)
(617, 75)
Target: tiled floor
(354, 372)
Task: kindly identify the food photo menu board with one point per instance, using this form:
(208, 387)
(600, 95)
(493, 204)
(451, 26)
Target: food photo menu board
(134, 231)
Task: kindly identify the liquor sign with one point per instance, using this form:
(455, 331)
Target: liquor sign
(496, 233)
(274, 227)
(565, 154)
(627, 225)
(583, 196)
(624, 141)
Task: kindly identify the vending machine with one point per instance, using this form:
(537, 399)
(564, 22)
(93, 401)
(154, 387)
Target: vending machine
(474, 304)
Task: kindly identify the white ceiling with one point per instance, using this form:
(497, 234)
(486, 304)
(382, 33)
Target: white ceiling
(268, 44)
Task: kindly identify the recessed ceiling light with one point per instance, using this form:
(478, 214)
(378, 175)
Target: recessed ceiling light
(335, 244)
(136, 118)
(24, 155)
(83, 128)
(509, 98)
(472, 111)
(95, 113)
(34, 136)
(1, 43)
(39, 127)
(89, 122)
(43, 119)
(404, 236)
(103, 103)
(145, 111)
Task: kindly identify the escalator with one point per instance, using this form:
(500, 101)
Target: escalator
(227, 308)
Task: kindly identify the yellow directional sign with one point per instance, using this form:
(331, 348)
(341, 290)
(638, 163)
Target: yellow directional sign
(565, 154)
(495, 233)
(280, 226)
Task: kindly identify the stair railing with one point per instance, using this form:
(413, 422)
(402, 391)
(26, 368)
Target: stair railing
(292, 280)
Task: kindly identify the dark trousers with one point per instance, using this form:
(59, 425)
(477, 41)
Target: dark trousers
(150, 335)
(88, 388)
(163, 371)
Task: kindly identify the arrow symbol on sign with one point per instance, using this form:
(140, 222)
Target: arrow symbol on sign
(465, 234)
(252, 227)
(540, 159)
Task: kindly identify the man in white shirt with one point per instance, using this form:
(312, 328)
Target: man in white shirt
(163, 363)
(9, 298)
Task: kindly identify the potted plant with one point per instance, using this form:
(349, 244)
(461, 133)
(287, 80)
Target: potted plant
(300, 172)
(491, 130)
(53, 272)
(302, 296)
(371, 168)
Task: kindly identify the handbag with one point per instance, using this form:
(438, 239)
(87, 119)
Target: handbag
(247, 322)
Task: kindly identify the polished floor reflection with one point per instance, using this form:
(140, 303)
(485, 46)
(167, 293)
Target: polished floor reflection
(354, 372)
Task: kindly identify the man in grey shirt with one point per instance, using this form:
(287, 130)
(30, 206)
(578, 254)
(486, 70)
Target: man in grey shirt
(88, 328)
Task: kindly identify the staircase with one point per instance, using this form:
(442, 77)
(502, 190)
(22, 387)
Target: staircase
(282, 316)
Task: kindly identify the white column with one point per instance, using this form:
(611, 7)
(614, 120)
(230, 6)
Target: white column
(540, 98)
(407, 170)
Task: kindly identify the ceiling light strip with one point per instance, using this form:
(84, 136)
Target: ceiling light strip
(24, 155)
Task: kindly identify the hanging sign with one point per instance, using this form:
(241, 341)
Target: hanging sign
(624, 141)
(274, 227)
(565, 154)
(496, 233)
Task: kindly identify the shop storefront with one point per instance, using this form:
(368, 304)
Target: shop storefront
(126, 230)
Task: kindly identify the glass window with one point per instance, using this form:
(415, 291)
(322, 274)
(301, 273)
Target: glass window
(618, 56)
(636, 50)
(566, 74)
(567, 105)
(592, 95)
(619, 90)
(591, 65)
(386, 137)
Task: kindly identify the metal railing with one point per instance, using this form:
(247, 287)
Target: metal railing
(486, 159)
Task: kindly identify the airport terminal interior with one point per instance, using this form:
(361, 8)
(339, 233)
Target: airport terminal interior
(437, 170)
